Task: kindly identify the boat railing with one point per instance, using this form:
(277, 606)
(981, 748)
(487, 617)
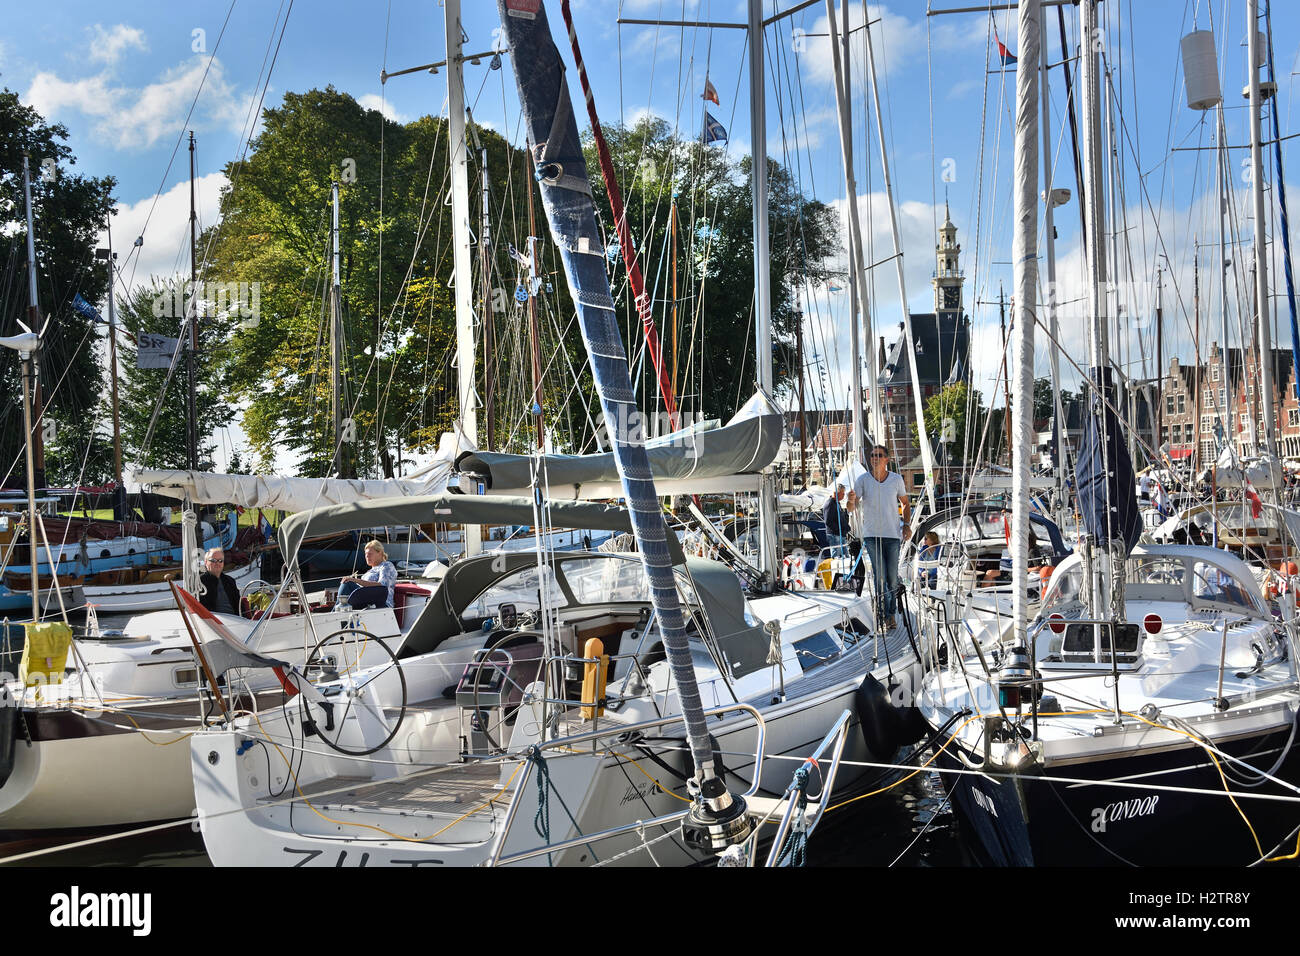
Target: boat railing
(796, 795)
(575, 742)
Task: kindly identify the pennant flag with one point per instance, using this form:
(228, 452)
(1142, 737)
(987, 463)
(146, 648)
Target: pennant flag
(1256, 506)
(834, 287)
(714, 132)
(85, 308)
(709, 92)
(1006, 56)
(519, 257)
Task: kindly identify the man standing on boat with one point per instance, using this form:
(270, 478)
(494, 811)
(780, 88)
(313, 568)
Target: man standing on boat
(218, 593)
(880, 493)
(835, 517)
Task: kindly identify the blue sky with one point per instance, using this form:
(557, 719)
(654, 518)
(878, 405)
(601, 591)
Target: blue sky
(122, 79)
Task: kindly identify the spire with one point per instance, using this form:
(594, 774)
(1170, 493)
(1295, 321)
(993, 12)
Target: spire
(947, 217)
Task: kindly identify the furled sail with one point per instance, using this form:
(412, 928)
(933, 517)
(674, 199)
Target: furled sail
(1105, 482)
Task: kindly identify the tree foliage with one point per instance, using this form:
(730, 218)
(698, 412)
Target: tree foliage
(714, 353)
(69, 209)
(965, 406)
(396, 262)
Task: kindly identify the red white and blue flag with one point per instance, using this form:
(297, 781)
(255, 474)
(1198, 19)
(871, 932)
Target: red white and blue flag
(709, 92)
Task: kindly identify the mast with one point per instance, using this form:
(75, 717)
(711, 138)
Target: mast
(1103, 597)
(927, 452)
(768, 559)
(857, 272)
(1157, 412)
(1049, 243)
(112, 360)
(32, 398)
(489, 324)
(465, 352)
(1024, 254)
(1196, 350)
(534, 337)
(1263, 312)
(191, 419)
(338, 458)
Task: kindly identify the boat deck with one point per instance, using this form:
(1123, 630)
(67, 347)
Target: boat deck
(452, 790)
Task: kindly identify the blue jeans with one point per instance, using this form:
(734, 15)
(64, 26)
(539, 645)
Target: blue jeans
(884, 572)
(360, 596)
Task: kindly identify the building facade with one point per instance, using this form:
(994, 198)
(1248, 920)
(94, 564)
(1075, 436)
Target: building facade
(942, 341)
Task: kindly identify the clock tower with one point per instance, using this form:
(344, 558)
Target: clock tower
(948, 279)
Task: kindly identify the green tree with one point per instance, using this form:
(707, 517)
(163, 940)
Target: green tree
(160, 309)
(715, 259)
(69, 209)
(398, 380)
(965, 406)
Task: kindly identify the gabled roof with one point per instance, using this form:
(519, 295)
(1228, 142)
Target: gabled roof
(942, 350)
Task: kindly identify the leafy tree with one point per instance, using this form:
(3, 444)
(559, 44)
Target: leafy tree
(965, 406)
(160, 309)
(715, 259)
(69, 209)
(398, 381)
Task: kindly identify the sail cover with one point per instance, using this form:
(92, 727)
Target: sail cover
(1106, 485)
(297, 494)
(745, 445)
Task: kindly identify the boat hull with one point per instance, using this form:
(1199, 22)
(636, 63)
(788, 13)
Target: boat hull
(1183, 818)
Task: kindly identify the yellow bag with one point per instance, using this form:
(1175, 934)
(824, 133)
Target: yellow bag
(45, 653)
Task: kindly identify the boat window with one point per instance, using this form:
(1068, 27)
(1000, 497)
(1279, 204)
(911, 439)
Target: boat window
(1156, 570)
(1066, 588)
(520, 589)
(1212, 583)
(606, 580)
(816, 650)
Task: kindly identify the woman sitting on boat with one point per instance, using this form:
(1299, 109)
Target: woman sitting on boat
(375, 587)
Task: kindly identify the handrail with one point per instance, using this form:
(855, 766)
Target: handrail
(496, 859)
(839, 734)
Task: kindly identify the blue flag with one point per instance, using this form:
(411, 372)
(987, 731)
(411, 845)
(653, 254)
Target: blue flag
(85, 308)
(714, 132)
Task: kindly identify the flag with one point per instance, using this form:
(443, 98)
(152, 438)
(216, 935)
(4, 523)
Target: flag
(834, 287)
(85, 308)
(714, 132)
(1256, 506)
(519, 257)
(709, 92)
(1006, 56)
(264, 526)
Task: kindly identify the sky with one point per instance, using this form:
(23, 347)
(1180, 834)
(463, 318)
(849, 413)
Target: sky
(129, 80)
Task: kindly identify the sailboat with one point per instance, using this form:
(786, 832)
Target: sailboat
(555, 687)
(1152, 696)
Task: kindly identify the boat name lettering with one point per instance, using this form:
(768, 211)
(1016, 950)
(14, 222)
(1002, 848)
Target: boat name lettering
(637, 791)
(1123, 810)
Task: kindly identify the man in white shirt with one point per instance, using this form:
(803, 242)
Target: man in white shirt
(880, 493)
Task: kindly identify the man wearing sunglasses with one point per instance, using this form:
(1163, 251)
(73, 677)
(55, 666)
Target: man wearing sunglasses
(880, 493)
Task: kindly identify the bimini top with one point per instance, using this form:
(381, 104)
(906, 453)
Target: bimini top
(450, 509)
(1169, 572)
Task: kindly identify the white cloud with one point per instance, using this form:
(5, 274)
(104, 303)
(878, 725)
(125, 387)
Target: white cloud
(137, 118)
(373, 101)
(165, 252)
(108, 45)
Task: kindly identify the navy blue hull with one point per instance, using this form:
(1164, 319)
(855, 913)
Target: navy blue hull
(1034, 819)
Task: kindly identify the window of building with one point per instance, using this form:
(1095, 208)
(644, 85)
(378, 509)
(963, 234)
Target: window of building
(1205, 426)
(1182, 403)
(1169, 404)
(1214, 372)
(1293, 417)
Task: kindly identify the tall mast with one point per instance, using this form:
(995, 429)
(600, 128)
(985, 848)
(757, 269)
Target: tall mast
(112, 360)
(1156, 408)
(768, 536)
(465, 352)
(857, 273)
(1049, 243)
(534, 337)
(338, 462)
(32, 402)
(489, 328)
(191, 419)
(1024, 253)
(927, 452)
(1104, 587)
(1263, 310)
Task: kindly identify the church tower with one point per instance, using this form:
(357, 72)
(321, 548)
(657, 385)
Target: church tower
(948, 277)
